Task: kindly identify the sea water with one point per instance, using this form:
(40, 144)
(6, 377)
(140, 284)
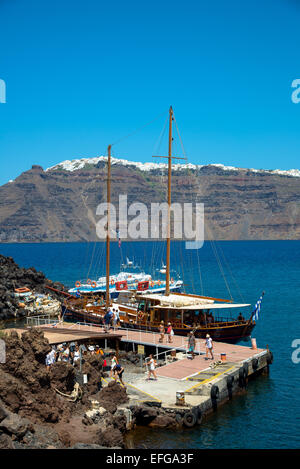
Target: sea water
(267, 415)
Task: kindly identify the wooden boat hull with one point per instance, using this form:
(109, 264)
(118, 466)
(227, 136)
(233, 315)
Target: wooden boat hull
(230, 332)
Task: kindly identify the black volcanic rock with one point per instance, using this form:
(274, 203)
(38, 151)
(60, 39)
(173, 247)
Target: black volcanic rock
(11, 277)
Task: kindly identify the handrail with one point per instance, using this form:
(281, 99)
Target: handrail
(46, 319)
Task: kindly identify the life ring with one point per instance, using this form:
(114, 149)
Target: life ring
(22, 290)
(89, 282)
(172, 280)
(214, 393)
(159, 282)
(78, 284)
(140, 316)
(93, 284)
(189, 419)
(112, 282)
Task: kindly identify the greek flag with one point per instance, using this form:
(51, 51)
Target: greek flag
(256, 311)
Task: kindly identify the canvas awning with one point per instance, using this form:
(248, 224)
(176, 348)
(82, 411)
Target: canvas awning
(203, 306)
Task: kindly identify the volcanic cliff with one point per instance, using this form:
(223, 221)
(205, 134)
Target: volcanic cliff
(59, 204)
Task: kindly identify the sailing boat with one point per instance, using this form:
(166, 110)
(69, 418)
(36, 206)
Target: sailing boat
(186, 312)
(129, 262)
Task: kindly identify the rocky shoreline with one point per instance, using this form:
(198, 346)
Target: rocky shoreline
(12, 277)
(34, 412)
(34, 409)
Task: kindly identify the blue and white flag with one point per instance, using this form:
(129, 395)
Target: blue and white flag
(256, 311)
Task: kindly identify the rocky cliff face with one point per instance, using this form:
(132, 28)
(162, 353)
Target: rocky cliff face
(59, 204)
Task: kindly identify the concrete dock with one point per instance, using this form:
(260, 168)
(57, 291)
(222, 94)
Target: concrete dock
(206, 383)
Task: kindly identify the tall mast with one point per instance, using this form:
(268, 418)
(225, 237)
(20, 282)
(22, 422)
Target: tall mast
(167, 292)
(108, 226)
(170, 158)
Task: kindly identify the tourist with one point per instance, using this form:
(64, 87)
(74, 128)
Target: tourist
(209, 346)
(170, 333)
(114, 362)
(161, 331)
(240, 317)
(119, 370)
(65, 354)
(116, 315)
(104, 366)
(99, 351)
(83, 349)
(210, 318)
(191, 344)
(72, 348)
(107, 320)
(151, 369)
(50, 359)
(76, 355)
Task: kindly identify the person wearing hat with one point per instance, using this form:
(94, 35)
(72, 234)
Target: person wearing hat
(162, 332)
(170, 332)
(209, 347)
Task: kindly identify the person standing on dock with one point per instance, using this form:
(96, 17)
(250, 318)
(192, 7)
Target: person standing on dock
(151, 369)
(170, 333)
(209, 347)
(191, 344)
(107, 320)
(116, 316)
(162, 332)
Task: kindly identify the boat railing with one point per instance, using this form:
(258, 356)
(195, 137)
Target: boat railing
(221, 321)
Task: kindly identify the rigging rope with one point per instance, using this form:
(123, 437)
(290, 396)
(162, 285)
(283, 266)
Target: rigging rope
(138, 129)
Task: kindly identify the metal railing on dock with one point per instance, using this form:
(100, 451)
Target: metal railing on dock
(143, 337)
(41, 320)
(139, 336)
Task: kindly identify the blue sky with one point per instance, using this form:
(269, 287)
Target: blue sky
(82, 74)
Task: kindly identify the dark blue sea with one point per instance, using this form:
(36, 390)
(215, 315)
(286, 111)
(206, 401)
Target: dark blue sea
(268, 415)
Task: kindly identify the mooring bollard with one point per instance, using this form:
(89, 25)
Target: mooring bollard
(180, 399)
(253, 344)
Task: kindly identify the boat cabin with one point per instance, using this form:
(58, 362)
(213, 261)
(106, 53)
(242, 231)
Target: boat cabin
(184, 310)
